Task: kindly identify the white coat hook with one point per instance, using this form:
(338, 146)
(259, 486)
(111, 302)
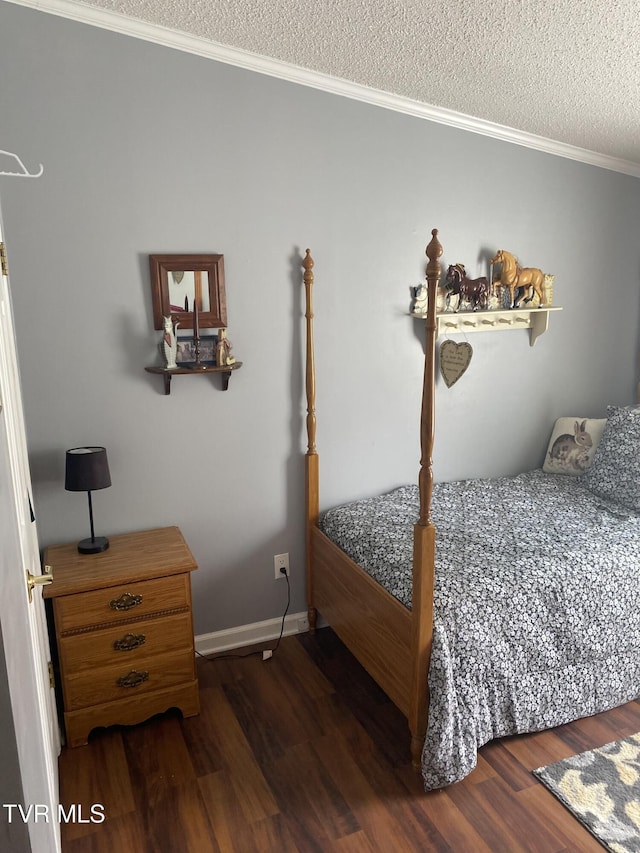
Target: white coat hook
(23, 173)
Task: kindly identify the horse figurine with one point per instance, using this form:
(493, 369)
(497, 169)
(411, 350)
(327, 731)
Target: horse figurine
(515, 277)
(473, 290)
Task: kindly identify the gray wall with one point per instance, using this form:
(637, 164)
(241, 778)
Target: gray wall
(150, 150)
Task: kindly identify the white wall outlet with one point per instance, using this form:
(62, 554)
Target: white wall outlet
(281, 561)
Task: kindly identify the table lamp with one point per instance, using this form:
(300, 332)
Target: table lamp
(86, 470)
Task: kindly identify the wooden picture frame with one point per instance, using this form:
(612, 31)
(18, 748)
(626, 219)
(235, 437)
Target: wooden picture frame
(176, 280)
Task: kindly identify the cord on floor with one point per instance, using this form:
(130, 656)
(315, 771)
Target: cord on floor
(266, 653)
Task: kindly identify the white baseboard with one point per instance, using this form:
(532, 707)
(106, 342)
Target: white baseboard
(247, 635)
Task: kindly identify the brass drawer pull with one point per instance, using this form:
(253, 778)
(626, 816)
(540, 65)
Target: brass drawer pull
(129, 642)
(132, 679)
(125, 602)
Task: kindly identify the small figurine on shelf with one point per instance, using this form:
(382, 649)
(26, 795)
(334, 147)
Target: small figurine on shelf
(522, 282)
(420, 298)
(474, 291)
(169, 343)
(223, 349)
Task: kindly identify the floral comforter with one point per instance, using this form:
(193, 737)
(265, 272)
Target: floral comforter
(536, 620)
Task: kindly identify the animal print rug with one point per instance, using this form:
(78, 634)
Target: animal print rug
(601, 788)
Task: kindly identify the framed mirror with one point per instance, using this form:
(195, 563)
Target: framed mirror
(178, 280)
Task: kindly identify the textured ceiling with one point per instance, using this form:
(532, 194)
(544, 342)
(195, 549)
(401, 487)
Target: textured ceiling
(566, 70)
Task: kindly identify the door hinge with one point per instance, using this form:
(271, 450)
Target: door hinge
(52, 678)
(3, 260)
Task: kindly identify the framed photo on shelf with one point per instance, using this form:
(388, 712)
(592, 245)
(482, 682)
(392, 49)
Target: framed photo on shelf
(186, 352)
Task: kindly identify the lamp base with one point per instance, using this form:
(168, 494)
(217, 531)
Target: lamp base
(93, 546)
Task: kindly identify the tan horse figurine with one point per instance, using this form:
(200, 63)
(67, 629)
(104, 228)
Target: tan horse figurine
(513, 276)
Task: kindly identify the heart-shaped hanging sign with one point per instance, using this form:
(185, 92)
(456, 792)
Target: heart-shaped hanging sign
(454, 360)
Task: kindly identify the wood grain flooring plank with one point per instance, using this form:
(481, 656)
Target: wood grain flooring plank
(237, 757)
(179, 822)
(482, 771)
(545, 810)
(592, 732)
(357, 842)
(535, 750)
(267, 711)
(365, 787)
(81, 785)
(274, 707)
(531, 833)
(497, 827)
(121, 834)
(200, 734)
(309, 798)
(451, 823)
(231, 829)
(274, 833)
(282, 700)
(157, 758)
(257, 728)
(339, 666)
(507, 766)
(380, 718)
(343, 767)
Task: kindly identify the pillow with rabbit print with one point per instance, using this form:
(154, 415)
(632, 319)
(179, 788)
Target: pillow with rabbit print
(572, 445)
(615, 470)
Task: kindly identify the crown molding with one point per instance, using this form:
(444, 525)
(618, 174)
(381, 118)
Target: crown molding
(188, 43)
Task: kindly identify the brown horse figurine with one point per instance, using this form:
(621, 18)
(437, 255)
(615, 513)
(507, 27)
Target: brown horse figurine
(473, 290)
(514, 277)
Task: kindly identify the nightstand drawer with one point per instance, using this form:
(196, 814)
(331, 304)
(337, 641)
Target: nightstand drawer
(125, 644)
(104, 684)
(128, 602)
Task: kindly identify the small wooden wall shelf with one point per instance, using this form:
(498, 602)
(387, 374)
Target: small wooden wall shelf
(462, 322)
(203, 370)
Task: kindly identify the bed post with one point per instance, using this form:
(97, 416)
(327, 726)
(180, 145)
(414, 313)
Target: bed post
(311, 460)
(424, 533)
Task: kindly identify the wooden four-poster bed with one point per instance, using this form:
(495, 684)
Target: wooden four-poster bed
(392, 643)
(491, 684)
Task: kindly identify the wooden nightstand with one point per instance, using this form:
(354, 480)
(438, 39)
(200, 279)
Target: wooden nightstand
(124, 630)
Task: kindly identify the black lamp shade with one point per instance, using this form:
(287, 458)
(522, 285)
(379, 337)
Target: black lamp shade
(87, 469)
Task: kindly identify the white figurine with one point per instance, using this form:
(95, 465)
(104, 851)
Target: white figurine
(169, 342)
(420, 300)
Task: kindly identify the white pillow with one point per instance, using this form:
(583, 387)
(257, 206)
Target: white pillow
(572, 445)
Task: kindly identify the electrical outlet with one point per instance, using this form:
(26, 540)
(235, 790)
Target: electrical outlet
(281, 561)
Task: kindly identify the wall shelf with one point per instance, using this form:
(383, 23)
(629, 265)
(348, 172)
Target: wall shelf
(463, 322)
(203, 370)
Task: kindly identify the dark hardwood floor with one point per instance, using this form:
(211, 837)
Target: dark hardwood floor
(303, 752)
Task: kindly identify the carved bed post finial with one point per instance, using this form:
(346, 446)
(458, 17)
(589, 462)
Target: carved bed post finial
(312, 490)
(433, 252)
(427, 421)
